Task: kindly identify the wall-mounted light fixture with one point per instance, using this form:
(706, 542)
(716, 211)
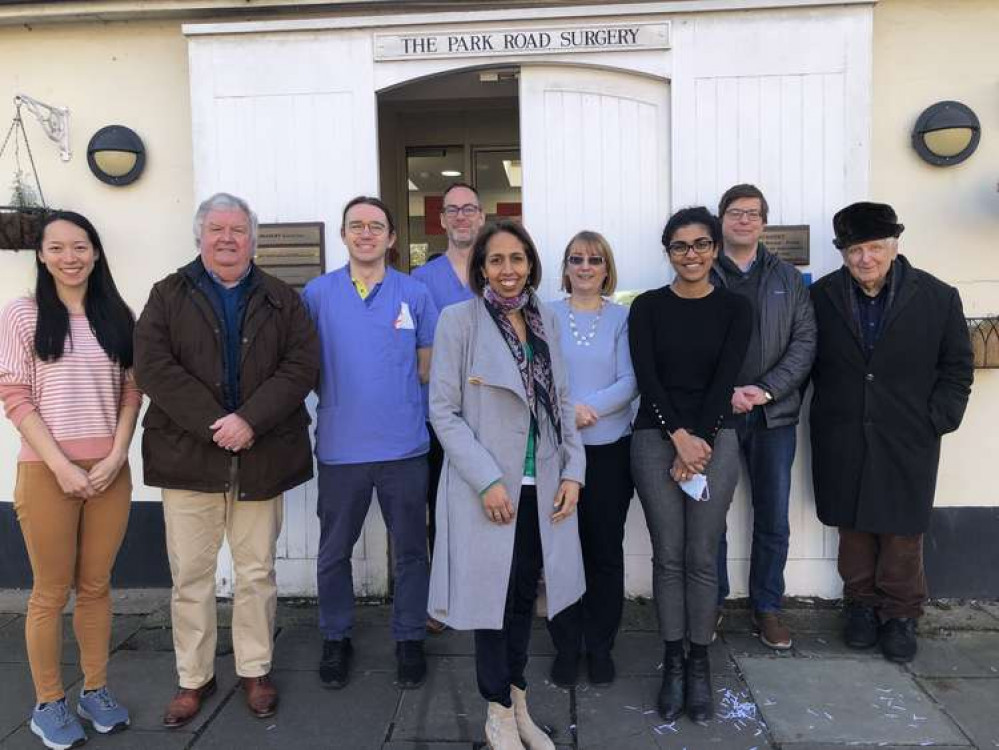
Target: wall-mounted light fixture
(946, 133)
(116, 155)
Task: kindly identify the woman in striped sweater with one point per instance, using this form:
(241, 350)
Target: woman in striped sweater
(66, 383)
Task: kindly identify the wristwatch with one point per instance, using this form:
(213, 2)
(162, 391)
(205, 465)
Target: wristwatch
(766, 394)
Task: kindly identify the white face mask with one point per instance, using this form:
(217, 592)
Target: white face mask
(697, 488)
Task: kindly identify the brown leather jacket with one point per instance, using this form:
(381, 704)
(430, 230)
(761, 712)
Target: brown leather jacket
(179, 342)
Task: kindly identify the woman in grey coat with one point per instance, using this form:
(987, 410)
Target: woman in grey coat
(513, 467)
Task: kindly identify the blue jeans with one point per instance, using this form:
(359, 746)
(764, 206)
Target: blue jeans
(344, 499)
(769, 454)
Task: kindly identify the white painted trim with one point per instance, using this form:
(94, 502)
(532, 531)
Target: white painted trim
(506, 14)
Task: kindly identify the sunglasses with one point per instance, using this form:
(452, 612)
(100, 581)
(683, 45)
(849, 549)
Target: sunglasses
(578, 260)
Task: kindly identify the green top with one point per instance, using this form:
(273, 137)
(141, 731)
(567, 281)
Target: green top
(530, 470)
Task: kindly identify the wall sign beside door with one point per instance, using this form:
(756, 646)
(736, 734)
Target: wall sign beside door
(295, 252)
(788, 242)
(525, 40)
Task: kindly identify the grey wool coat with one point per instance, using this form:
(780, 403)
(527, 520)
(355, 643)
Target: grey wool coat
(478, 408)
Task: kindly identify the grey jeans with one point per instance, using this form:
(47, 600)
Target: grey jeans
(685, 533)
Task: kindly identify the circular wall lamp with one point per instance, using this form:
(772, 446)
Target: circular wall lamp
(946, 133)
(116, 155)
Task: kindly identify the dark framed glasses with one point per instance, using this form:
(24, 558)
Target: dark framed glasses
(700, 246)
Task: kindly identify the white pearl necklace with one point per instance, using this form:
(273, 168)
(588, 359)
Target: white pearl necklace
(584, 339)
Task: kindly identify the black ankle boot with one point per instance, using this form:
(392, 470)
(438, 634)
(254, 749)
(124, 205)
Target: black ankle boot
(671, 692)
(700, 701)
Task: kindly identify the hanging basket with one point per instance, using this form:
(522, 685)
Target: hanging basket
(21, 221)
(20, 227)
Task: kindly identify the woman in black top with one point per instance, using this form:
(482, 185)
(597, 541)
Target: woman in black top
(688, 340)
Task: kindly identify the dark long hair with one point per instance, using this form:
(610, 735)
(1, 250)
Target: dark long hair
(110, 318)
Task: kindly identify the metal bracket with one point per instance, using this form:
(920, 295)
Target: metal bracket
(54, 121)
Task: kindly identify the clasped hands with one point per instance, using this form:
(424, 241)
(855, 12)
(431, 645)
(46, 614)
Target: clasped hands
(232, 433)
(746, 397)
(498, 506)
(692, 455)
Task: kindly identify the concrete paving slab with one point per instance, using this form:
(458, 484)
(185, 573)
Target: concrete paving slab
(451, 643)
(161, 639)
(747, 644)
(990, 608)
(829, 645)
(945, 616)
(12, 648)
(973, 704)
(958, 655)
(624, 715)
(355, 718)
(130, 739)
(145, 681)
(7, 618)
(160, 618)
(433, 746)
(845, 700)
(449, 708)
(818, 619)
(639, 614)
(635, 653)
(17, 694)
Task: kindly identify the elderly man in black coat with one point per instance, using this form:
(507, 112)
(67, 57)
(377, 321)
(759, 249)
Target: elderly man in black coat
(892, 374)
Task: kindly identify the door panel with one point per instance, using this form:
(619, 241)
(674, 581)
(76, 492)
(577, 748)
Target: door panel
(595, 150)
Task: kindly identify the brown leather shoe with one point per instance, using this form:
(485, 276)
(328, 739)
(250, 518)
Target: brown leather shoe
(772, 631)
(261, 695)
(186, 703)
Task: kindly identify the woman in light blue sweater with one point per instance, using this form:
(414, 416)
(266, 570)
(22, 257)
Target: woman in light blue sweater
(594, 333)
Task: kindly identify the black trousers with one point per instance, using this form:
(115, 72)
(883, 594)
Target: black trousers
(501, 655)
(603, 510)
(435, 460)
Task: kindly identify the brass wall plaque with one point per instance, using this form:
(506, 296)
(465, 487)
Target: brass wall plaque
(294, 252)
(788, 242)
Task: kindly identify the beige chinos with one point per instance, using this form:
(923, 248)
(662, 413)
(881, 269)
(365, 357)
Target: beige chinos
(196, 523)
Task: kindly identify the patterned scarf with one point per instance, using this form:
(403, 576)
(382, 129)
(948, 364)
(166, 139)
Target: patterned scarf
(536, 373)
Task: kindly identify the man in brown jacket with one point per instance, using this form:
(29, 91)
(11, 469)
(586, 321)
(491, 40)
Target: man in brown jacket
(226, 354)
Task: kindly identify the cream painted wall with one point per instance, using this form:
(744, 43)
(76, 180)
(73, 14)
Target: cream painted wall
(926, 51)
(133, 74)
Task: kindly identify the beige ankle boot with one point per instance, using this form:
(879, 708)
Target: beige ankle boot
(501, 728)
(531, 735)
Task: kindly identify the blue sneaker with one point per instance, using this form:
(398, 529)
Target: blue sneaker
(56, 726)
(101, 709)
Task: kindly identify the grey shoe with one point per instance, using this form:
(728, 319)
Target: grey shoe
(103, 712)
(57, 728)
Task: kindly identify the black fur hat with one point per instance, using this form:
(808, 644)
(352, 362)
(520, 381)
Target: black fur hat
(862, 222)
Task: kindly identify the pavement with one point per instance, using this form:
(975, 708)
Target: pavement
(819, 696)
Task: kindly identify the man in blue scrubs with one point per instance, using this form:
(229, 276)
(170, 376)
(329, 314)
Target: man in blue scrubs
(376, 327)
(446, 276)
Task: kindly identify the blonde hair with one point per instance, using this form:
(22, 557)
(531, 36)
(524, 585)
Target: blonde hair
(595, 244)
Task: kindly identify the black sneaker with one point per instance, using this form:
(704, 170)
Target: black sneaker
(861, 628)
(411, 664)
(565, 670)
(334, 667)
(898, 639)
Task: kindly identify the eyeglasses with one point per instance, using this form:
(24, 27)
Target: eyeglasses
(700, 246)
(578, 260)
(375, 228)
(738, 214)
(468, 210)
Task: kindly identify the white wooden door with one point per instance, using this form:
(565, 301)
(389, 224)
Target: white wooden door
(289, 123)
(595, 155)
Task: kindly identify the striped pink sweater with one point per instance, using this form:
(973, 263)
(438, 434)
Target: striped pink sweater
(78, 396)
